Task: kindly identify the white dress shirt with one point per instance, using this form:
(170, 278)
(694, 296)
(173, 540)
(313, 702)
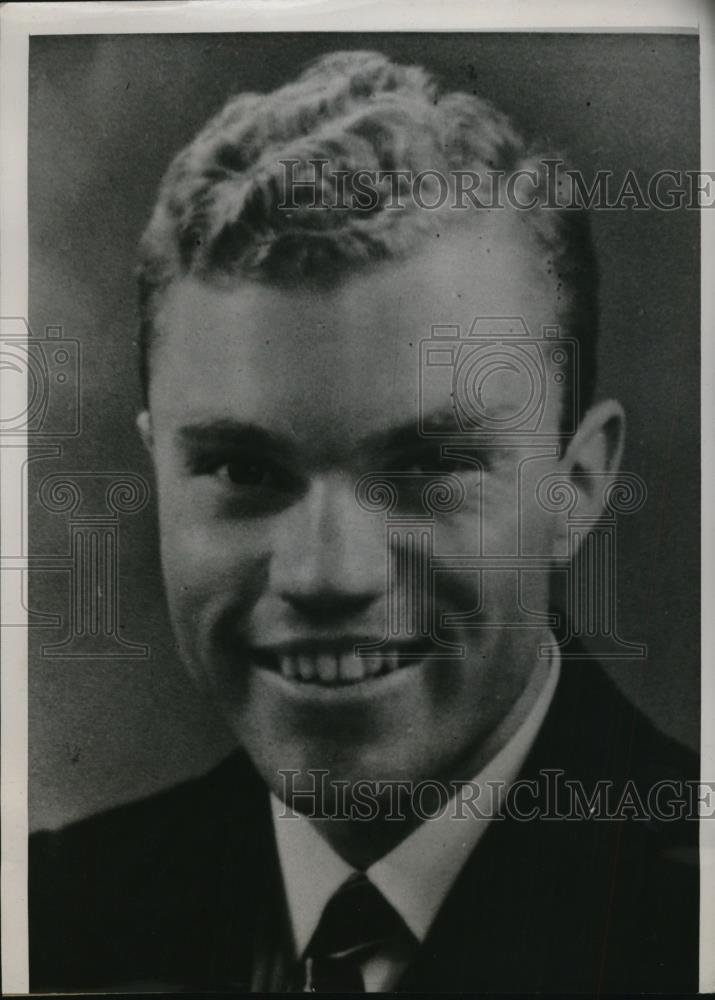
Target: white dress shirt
(417, 874)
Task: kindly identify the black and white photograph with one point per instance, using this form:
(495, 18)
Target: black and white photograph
(354, 429)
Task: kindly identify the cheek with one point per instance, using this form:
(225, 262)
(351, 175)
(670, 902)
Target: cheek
(208, 571)
(507, 524)
(202, 550)
(487, 525)
(515, 521)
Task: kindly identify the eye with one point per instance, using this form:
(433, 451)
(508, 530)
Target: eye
(433, 462)
(245, 472)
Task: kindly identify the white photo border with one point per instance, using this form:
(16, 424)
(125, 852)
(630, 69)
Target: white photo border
(18, 21)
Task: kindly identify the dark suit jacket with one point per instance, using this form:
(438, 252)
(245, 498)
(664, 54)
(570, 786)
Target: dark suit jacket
(170, 892)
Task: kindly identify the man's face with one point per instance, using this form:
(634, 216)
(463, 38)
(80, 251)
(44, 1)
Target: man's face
(267, 406)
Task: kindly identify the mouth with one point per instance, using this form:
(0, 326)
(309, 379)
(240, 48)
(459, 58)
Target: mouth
(335, 666)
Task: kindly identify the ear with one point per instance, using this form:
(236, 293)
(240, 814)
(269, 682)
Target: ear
(594, 455)
(145, 431)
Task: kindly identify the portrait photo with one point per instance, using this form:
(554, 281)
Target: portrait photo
(362, 492)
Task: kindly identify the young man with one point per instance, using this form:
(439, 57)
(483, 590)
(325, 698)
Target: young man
(357, 546)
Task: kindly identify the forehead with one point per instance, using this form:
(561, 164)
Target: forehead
(350, 354)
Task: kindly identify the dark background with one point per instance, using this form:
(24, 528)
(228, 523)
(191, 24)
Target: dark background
(106, 115)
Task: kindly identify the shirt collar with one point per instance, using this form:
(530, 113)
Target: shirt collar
(312, 871)
(415, 876)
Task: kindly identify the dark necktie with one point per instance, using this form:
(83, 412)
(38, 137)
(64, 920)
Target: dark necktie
(356, 922)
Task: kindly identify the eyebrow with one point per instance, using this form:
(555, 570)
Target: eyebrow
(411, 433)
(226, 432)
(229, 433)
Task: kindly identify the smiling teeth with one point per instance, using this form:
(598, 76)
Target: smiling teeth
(328, 668)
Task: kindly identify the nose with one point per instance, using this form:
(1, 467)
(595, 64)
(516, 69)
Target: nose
(329, 558)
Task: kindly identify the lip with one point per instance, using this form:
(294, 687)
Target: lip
(379, 671)
(375, 687)
(405, 649)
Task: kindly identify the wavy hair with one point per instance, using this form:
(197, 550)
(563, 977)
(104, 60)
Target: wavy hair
(218, 214)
